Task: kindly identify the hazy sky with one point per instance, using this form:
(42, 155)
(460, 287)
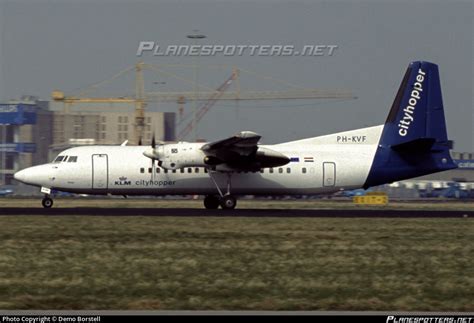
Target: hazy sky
(46, 45)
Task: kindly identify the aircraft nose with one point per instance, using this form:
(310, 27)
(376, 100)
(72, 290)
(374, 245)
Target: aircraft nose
(36, 175)
(20, 176)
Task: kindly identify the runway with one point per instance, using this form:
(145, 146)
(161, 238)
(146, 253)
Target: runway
(281, 213)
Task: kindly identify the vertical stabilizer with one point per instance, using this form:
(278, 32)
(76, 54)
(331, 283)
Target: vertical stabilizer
(414, 139)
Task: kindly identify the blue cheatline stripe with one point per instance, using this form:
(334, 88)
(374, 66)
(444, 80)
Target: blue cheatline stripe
(294, 159)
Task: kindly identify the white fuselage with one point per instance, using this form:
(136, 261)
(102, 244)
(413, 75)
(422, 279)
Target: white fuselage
(319, 165)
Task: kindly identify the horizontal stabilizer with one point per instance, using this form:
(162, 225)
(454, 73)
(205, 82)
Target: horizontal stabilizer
(417, 145)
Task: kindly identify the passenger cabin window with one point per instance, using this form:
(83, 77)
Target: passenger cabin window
(288, 170)
(158, 170)
(150, 170)
(280, 170)
(262, 170)
(196, 170)
(271, 170)
(182, 170)
(142, 170)
(303, 170)
(190, 170)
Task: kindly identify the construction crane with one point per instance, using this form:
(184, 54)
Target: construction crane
(139, 100)
(209, 95)
(208, 105)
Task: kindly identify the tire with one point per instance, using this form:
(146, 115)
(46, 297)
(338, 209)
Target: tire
(211, 202)
(47, 202)
(228, 202)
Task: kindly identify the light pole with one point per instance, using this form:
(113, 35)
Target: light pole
(195, 36)
(152, 126)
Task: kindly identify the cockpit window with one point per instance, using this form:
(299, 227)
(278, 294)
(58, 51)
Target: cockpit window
(59, 159)
(72, 159)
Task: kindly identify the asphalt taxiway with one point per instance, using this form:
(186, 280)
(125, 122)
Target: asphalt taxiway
(194, 212)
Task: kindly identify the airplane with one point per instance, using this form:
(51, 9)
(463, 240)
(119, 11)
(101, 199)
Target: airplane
(412, 142)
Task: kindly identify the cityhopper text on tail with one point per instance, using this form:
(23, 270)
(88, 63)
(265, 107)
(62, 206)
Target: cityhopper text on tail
(412, 142)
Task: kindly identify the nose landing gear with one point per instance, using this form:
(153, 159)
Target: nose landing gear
(47, 202)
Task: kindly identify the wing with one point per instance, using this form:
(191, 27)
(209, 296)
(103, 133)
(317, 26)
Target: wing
(241, 152)
(243, 143)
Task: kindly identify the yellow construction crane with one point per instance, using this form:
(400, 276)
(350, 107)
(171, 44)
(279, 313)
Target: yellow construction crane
(139, 101)
(209, 95)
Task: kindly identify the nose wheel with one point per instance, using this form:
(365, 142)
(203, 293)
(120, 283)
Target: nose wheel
(47, 202)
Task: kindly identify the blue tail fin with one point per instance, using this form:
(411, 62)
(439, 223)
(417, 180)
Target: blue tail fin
(414, 140)
(417, 111)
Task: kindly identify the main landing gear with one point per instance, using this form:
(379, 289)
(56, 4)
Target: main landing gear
(47, 202)
(226, 201)
(211, 202)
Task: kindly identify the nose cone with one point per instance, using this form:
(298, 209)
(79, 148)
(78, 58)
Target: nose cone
(149, 153)
(20, 176)
(154, 153)
(41, 175)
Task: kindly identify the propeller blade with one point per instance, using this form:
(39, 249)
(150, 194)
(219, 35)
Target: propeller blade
(153, 169)
(153, 141)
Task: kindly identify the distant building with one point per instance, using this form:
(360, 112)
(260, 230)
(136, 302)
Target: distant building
(106, 123)
(22, 142)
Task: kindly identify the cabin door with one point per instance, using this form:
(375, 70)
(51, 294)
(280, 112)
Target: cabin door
(100, 171)
(329, 174)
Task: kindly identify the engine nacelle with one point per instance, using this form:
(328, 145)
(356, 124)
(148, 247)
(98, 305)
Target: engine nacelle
(179, 155)
(183, 154)
(270, 158)
(212, 161)
(168, 164)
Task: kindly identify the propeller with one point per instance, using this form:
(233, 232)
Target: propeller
(153, 145)
(155, 153)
